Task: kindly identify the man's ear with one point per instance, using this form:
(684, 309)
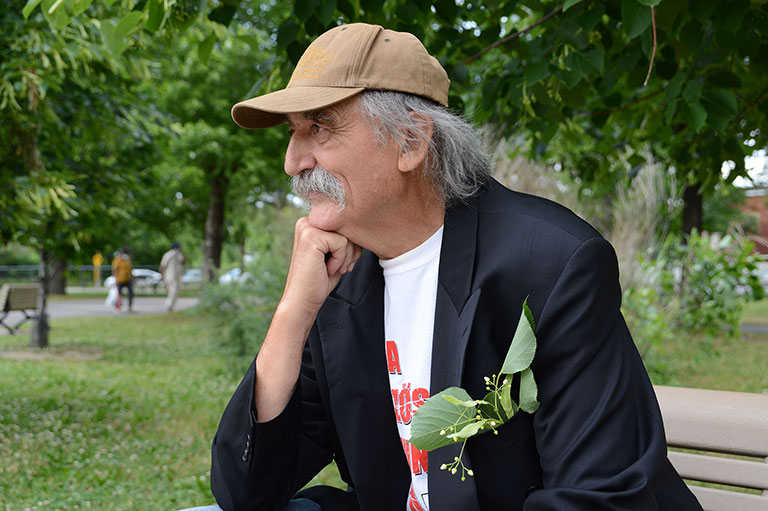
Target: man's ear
(414, 151)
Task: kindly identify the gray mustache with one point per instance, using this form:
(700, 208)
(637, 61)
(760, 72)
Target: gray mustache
(320, 181)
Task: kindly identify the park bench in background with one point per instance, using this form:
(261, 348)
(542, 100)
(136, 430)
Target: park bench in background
(720, 422)
(17, 297)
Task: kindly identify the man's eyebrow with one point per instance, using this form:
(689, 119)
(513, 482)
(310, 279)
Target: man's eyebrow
(324, 116)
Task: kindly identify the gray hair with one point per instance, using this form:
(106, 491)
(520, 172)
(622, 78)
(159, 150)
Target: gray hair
(456, 162)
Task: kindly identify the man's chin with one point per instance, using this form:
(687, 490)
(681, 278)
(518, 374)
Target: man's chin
(325, 215)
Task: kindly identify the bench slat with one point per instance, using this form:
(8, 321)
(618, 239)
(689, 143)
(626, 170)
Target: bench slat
(714, 420)
(712, 499)
(23, 296)
(747, 474)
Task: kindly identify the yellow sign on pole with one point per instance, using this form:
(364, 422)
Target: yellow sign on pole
(97, 259)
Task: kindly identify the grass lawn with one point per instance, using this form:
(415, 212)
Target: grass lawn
(119, 413)
(756, 313)
(723, 364)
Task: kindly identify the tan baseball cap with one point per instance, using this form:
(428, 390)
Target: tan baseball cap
(345, 61)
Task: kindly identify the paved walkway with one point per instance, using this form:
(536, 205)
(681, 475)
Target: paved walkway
(758, 329)
(72, 307)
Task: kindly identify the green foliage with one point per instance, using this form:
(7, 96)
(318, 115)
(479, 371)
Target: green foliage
(704, 283)
(13, 254)
(569, 77)
(78, 136)
(244, 309)
(452, 415)
(651, 321)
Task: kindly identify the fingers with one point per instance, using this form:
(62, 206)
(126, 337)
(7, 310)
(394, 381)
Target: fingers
(318, 261)
(343, 256)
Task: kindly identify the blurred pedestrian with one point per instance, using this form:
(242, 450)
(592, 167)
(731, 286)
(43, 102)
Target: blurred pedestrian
(172, 266)
(122, 268)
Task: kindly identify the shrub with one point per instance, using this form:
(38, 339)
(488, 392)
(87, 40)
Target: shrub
(704, 283)
(244, 309)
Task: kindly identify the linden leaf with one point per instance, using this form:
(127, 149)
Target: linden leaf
(523, 346)
(528, 392)
(438, 414)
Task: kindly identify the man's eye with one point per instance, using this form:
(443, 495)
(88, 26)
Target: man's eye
(316, 128)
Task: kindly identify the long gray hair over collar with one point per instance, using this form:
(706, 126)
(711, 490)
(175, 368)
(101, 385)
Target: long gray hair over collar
(456, 161)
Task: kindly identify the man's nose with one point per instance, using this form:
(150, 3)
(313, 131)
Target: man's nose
(298, 156)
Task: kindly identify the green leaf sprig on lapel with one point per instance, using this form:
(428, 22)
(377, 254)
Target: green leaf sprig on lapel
(452, 415)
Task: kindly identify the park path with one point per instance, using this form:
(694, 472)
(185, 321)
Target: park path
(73, 307)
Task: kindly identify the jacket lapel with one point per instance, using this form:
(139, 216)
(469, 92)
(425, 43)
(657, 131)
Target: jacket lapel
(351, 329)
(454, 313)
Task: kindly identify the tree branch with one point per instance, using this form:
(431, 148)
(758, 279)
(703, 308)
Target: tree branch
(750, 105)
(622, 107)
(513, 36)
(653, 53)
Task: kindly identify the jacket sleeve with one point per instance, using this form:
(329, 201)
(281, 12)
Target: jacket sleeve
(259, 466)
(598, 430)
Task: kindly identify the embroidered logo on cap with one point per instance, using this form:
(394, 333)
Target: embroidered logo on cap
(312, 64)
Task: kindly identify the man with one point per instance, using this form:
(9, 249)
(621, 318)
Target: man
(171, 267)
(122, 269)
(407, 277)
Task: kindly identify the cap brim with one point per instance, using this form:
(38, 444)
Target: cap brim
(270, 109)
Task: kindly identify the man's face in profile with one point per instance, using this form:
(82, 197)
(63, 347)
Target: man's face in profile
(340, 168)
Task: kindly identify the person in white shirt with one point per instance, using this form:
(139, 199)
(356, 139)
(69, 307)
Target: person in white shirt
(172, 266)
(407, 277)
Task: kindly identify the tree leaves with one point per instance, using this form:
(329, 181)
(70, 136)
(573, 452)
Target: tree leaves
(27, 10)
(155, 15)
(635, 17)
(696, 114)
(205, 47)
(570, 3)
(535, 72)
(223, 14)
(115, 34)
(287, 32)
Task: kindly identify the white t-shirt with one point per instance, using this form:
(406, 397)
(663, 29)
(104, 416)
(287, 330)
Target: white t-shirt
(410, 293)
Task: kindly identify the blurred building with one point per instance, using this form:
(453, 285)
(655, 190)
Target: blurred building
(757, 205)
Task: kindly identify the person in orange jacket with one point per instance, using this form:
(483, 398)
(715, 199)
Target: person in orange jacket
(122, 267)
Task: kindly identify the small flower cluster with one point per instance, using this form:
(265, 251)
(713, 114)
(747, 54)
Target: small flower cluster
(456, 464)
(453, 432)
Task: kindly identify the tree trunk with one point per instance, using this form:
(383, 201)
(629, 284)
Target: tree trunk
(33, 161)
(38, 337)
(241, 245)
(214, 227)
(692, 208)
(58, 282)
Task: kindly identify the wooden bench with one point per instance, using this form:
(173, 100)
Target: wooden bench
(17, 297)
(714, 421)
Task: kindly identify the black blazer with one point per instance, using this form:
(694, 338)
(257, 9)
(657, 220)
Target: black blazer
(596, 442)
